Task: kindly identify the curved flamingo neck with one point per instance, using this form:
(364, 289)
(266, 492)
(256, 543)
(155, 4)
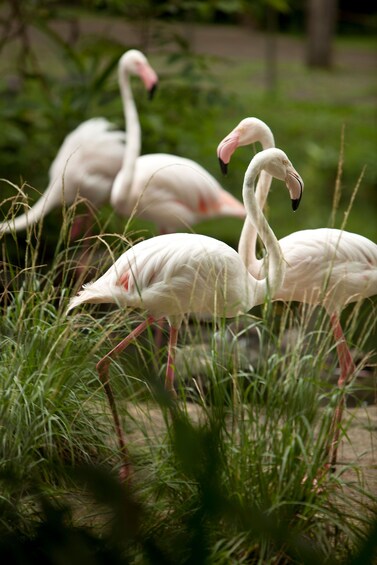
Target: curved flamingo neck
(123, 182)
(276, 265)
(249, 234)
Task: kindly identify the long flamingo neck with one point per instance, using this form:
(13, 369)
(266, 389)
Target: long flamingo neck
(275, 261)
(248, 239)
(123, 184)
(249, 234)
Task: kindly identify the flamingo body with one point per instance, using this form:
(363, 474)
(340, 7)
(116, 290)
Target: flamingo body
(329, 267)
(171, 191)
(87, 162)
(174, 193)
(173, 274)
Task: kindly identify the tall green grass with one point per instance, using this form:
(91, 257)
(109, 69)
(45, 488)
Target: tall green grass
(233, 472)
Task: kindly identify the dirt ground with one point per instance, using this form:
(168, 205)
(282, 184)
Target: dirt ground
(357, 454)
(359, 446)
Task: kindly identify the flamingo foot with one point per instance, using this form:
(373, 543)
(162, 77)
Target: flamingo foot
(173, 393)
(316, 483)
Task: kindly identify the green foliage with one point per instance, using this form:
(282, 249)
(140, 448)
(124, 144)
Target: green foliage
(44, 384)
(233, 471)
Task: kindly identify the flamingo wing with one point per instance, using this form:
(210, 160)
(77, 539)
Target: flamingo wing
(172, 275)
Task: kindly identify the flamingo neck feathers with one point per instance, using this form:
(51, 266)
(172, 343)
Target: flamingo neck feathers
(249, 234)
(123, 181)
(276, 267)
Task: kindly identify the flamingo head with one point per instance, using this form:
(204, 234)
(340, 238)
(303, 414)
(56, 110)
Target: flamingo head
(135, 63)
(248, 131)
(276, 163)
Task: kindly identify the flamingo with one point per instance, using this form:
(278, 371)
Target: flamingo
(171, 275)
(325, 266)
(88, 159)
(172, 192)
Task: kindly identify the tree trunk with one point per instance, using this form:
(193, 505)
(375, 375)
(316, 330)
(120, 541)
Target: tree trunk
(321, 24)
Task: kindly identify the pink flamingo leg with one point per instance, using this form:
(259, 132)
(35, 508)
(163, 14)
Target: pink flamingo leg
(169, 379)
(82, 226)
(159, 333)
(103, 372)
(347, 367)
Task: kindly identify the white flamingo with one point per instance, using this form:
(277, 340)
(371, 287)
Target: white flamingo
(171, 191)
(88, 159)
(325, 266)
(171, 275)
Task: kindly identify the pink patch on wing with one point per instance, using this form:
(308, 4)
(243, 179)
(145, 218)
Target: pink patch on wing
(203, 206)
(124, 280)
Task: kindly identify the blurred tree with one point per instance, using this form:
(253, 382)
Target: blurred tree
(267, 12)
(321, 24)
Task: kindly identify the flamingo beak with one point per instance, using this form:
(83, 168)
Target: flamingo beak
(225, 150)
(152, 90)
(149, 78)
(223, 166)
(295, 185)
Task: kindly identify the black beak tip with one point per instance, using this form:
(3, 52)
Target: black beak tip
(152, 91)
(223, 166)
(295, 203)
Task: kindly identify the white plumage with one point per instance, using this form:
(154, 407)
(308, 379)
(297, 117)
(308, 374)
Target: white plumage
(174, 193)
(171, 191)
(329, 267)
(325, 266)
(94, 163)
(171, 275)
(174, 274)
